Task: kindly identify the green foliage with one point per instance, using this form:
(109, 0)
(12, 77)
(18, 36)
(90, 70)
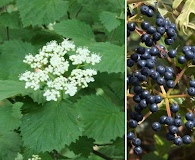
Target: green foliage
(102, 118)
(68, 128)
(109, 20)
(53, 126)
(41, 12)
(75, 29)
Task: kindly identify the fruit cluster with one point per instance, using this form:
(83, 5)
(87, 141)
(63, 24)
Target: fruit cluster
(145, 70)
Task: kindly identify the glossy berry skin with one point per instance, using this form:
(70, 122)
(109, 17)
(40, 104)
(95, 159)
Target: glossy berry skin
(145, 94)
(189, 54)
(153, 107)
(144, 9)
(137, 150)
(160, 22)
(161, 30)
(156, 36)
(145, 25)
(160, 70)
(154, 74)
(154, 51)
(137, 89)
(150, 99)
(169, 121)
(182, 59)
(156, 126)
(169, 41)
(178, 141)
(151, 30)
(170, 32)
(132, 123)
(158, 98)
(178, 122)
(162, 119)
(189, 124)
(136, 142)
(172, 53)
(141, 50)
(143, 103)
(131, 26)
(168, 75)
(173, 129)
(150, 13)
(186, 139)
(170, 84)
(160, 80)
(189, 116)
(192, 83)
(149, 42)
(174, 108)
(130, 135)
(169, 69)
(191, 91)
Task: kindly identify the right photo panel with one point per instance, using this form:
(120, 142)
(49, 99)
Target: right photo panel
(160, 90)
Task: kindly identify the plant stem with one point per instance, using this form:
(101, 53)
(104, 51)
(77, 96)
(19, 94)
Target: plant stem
(168, 107)
(145, 116)
(101, 155)
(177, 79)
(130, 95)
(178, 96)
(159, 93)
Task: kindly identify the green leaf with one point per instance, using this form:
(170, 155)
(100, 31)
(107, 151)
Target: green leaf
(9, 88)
(9, 145)
(11, 59)
(4, 2)
(51, 127)
(113, 57)
(87, 146)
(39, 12)
(9, 120)
(10, 20)
(109, 20)
(183, 20)
(75, 29)
(102, 118)
(37, 96)
(116, 150)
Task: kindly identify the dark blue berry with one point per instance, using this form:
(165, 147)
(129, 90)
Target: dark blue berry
(154, 51)
(161, 30)
(153, 107)
(191, 91)
(168, 75)
(186, 139)
(150, 13)
(189, 116)
(144, 9)
(169, 121)
(145, 25)
(181, 59)
(172, 53)
(174, 107)
(132, 123)
(130, 135)
(150, 99)
(137, 89)
(160, 70)
(156, 126)
(192, 83)
(160, 80)
(189, 124)
(131, 26)
(169, 41)
(158, 98)
(151, 30)
(170, 136)
(170, 84)
(173, 129)
(178, 141)
(162, 119)
(178, 122)
(136, 98)
(137, 150)
(130, 62)
(136, 142)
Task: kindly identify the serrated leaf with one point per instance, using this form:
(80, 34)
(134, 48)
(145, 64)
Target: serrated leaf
(39, 12)
(11, 58)
(16, 110)
(87, 146)
(9, 88)
(109, 20)
(10, 20)
(113, 57)
(176, 3)
(102, 118)
(37, 96)
(51, 127)
(8, 121)
(9, 145)
(183, 20)
(4, 2)
(75, 29)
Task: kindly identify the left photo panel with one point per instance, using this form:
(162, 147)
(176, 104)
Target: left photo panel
(62, 80)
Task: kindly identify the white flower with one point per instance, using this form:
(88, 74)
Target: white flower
(68, 45)
(35, 157)
(51, 69)
(51, 94)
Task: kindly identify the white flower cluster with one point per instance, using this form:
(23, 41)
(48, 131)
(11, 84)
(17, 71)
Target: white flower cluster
(50, 69)
(35, 157)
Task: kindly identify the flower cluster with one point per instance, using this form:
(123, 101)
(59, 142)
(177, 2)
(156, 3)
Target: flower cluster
(35, 157)
(52, 69)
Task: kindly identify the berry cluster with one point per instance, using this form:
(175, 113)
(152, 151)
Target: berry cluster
(145, 70)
